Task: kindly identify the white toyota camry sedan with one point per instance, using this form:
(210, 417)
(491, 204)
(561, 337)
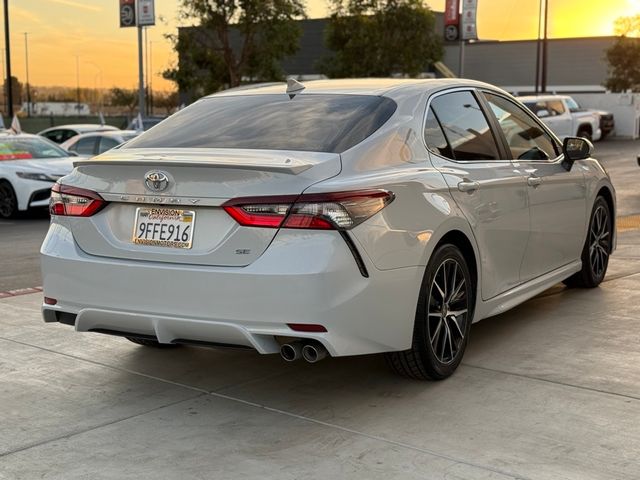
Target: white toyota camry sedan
(29, 166)
(332, 218)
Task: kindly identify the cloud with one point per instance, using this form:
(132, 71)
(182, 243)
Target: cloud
(81, 6)
(25, 14)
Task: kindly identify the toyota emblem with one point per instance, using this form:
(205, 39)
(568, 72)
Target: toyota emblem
(156, 181)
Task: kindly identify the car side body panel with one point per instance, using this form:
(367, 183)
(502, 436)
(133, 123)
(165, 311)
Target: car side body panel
(311, 276)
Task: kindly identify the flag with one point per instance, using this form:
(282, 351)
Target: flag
(15, 125)
(102, 120)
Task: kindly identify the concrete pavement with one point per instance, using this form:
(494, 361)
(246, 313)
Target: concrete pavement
(549, 390)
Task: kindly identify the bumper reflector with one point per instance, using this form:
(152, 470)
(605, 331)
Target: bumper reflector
(306, 327)
(50, 301)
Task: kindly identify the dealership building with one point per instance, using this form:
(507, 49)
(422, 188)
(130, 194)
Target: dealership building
(575, 66)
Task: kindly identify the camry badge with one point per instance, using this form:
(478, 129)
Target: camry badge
(156, 181)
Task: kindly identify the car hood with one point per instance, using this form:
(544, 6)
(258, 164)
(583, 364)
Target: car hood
(58, 166)
(582, 113)
(599, 112)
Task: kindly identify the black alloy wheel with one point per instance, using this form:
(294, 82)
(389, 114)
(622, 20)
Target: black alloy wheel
(8, 201)
(443, 319)
(597, 248)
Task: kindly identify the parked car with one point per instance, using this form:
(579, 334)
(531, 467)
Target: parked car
(29, 166)
(607, 122)
(147, 123)
(62, 133)
(95, 143)
(562, 115)
(338, 217)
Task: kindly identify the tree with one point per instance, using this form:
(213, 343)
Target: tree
(123, 97)
(236, 39)
(16, 90)
(623, 57)
(166, 100)
(378, 38)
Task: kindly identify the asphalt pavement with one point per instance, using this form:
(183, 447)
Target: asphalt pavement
(548, 390)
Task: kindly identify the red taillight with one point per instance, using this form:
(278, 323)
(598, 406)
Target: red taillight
(307, 327)
(74, 202)
(318, 211)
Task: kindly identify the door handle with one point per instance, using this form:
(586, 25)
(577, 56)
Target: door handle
(468, 187)
(534, 181)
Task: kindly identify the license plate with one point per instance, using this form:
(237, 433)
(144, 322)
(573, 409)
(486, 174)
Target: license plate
(164, 227)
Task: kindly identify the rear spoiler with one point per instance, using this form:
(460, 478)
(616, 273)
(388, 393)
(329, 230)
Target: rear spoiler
(263, 160)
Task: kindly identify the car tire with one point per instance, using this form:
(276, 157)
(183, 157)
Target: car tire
(584, 133)
(439, 338)
(597, 248)
(8, 201)
(147, 342)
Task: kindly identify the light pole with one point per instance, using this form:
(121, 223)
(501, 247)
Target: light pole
(543, 81)
(78, 84)
(4, 94)
(150, 77)
(537, 80)
(95, 84)
(26, 55)
(7, 46)
(141, 105)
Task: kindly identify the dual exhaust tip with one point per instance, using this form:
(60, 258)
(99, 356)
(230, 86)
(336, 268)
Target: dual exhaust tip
(312, 352)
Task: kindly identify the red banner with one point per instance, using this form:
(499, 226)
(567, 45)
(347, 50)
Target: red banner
(452, 12)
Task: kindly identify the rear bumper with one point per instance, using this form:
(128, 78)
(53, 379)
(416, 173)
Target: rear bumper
(303, 277)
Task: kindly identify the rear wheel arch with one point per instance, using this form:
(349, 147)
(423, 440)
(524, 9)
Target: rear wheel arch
(462, 241)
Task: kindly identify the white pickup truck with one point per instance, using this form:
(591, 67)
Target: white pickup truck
(564, 116)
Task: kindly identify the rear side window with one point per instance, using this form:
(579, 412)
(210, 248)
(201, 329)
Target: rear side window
(60, 135)
(85, 146)
(434, 137)
(316, 123)
(540, 109)
(555, 107)
(107, 143)
(465, 127)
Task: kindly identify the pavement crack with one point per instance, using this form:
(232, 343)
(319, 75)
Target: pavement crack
(378, 438)
(203, 392)
(106, 365)
(95, 427)
(554, 382)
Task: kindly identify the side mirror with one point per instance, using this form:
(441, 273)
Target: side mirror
(543, 113)
(575, 148)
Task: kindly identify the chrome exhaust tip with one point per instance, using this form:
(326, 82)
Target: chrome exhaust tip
(314, 352)
(290, 352)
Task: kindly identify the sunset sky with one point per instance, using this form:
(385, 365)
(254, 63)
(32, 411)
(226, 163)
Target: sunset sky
(61, 30)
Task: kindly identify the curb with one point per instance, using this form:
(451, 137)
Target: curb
(20, 291)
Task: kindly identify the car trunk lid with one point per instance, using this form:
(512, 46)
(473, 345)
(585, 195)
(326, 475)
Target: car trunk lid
(199, 181)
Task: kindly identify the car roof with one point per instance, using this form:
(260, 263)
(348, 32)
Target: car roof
(535, 98)
(105, 133)
(82, 127)
(6, 134)
(358, 86)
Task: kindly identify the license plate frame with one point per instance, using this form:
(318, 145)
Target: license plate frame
(179, 222)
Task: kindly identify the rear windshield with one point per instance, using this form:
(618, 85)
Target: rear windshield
(316, 123)
(23, 148)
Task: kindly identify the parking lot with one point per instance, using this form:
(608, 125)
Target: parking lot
(549, 390)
